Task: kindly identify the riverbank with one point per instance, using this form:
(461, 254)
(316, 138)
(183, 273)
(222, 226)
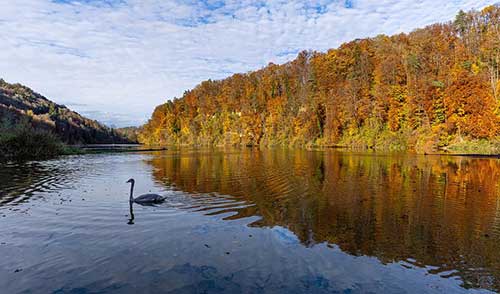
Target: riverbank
(466, 147)
(23, 142)
(423, 140)
(26, 143)
(116, 148)
(420, 141)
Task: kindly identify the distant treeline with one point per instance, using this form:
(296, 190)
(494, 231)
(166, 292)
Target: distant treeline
(435, 87)
(31, 126)
(131, 133)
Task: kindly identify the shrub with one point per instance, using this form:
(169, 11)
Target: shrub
(23, 142)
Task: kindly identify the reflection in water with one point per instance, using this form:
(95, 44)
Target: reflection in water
(244, 220)
(434, 211)
(131, 209)
(131, 215)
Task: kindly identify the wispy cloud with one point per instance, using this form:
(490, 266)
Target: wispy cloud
(125, 57)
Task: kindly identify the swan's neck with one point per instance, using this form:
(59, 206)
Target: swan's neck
(132, 192)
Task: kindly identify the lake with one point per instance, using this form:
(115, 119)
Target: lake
(251, 221)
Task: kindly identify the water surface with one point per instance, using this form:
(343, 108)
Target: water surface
(251, 221)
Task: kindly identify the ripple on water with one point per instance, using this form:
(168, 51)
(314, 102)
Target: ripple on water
(399, 214)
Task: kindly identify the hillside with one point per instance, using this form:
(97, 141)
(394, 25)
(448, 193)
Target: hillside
(436, 87)
(21, 105)
(131, 133)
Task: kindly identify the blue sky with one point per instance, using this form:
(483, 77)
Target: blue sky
(115, 60)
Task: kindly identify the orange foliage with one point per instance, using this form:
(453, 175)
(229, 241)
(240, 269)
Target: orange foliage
(444, 78)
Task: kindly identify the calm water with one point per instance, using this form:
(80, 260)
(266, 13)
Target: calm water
(250, 221)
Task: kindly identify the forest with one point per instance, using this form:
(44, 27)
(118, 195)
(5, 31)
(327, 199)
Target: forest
(434, 88)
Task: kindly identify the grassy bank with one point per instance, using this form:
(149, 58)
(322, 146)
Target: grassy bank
(20, 141)
(475, 147)
(422, 141)
(23, 142)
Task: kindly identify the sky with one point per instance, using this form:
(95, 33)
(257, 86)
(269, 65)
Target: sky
(115, 60)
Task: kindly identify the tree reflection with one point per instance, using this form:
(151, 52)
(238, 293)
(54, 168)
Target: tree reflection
(437, 211)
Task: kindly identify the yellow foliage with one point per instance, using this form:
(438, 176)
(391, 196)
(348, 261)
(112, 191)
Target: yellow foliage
(475, 68)
(436, 78)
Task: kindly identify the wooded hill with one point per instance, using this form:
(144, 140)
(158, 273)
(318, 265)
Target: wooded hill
(434, 87)
(21, 105)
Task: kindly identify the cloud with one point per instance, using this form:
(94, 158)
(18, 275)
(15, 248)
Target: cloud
(123, 57)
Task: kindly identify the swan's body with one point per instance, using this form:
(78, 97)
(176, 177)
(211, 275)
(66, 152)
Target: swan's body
(145, 198)
(149, 198)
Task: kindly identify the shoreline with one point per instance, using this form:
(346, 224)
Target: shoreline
(134, 148)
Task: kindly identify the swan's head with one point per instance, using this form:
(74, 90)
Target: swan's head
(131, 181)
